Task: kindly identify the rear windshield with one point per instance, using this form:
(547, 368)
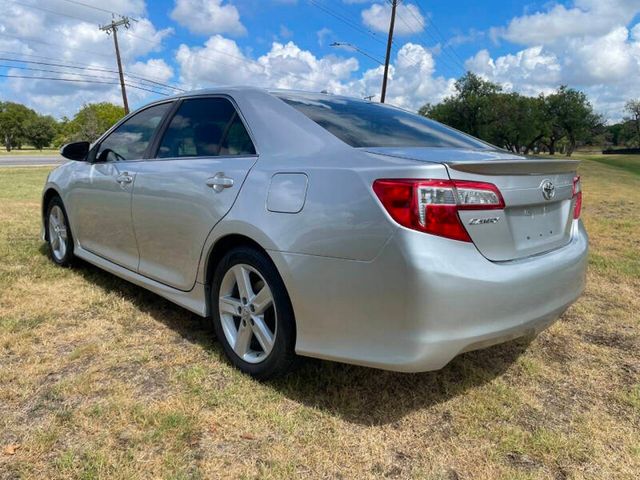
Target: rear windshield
(367, 124)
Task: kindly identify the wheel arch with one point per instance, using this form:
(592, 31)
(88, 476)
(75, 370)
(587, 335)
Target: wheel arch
(47, 196)
(225, 244)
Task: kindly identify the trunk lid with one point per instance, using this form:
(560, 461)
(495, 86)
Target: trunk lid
(532, 221)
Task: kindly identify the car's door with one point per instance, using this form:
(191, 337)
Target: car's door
(202, 159)
(102, 194)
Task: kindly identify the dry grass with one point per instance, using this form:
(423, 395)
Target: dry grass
(100, 379)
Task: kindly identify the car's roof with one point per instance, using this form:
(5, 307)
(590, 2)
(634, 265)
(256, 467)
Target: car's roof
(241, 89)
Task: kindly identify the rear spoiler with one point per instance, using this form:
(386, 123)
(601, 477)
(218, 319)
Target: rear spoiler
(524, 166)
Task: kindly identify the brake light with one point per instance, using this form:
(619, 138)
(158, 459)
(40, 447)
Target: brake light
(577, 195)
(431, 206)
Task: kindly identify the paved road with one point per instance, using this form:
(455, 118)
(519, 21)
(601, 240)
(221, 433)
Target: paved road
(29, 160)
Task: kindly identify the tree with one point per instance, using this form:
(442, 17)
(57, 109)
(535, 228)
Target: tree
(13, 117)
(469, 109)
(571, 115)
(480, 108)
(39, 131)
(91, 121)
(632, 107)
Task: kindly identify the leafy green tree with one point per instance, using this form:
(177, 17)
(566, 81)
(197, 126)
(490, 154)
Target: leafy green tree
(13, 118)
(40, 130)
(91, 121)
(515, 122)
(570, 114)
(469, 109)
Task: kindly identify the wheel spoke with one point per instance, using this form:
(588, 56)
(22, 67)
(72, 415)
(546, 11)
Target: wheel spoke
(262, 300)
(243, 339)
(62, 250)
(57, 212)
(55, 242)
(63, 233)
(262, 333)
(243, 281)
(229, 305)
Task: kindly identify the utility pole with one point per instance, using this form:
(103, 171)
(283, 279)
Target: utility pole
(394, 4)
(113, 27)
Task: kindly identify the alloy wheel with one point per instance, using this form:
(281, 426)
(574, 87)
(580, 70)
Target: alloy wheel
(57, 233)
(247, 313)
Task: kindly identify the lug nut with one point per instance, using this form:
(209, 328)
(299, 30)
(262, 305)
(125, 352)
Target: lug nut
(252, 308)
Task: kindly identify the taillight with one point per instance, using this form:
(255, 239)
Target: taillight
(432, 206)
(577, 195)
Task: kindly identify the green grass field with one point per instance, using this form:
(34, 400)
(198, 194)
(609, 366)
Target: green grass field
(29, 152)
(101, 379)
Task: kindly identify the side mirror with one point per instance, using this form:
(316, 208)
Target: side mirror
(75, 151)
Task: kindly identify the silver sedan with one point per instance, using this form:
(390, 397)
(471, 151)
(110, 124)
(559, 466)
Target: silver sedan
(323, 226)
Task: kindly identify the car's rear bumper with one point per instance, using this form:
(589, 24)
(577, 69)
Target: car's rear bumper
(425, 299)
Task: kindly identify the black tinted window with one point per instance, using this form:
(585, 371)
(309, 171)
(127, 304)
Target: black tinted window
(204, 127)
(130, 140)
(237, 140)
(364, 124)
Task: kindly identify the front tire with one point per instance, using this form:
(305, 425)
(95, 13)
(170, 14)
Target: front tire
(252, 314)
(59, 233)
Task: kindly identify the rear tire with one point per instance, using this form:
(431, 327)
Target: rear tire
(59, 235)
(252, 314)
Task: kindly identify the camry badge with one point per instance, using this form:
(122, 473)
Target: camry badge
(548, 189)
(483, 221)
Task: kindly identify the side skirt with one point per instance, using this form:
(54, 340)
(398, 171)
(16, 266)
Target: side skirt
(194, 300)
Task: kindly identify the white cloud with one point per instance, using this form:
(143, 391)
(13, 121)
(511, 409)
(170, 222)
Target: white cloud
(207, 17)
(408, 18)
(531, 71)
(588, 44)
(220, 61)
(585, 18)
(45, 36)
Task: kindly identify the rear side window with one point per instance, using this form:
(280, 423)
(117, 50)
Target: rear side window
(366, 124)
(205, 127)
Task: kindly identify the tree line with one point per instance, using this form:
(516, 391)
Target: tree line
(21, 126)
(556, 123)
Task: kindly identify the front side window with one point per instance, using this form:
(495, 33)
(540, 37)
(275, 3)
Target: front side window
(130, 140)
(205, 127)
(367, 124)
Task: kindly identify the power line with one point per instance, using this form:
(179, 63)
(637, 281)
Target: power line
(346, 21)
(357, 49)
(89, 68)
(444, 60)
(53, 12)
(96, 8)
(46, 70)
(58, 79)
(435, 27)
(139, 77)
(422, 25)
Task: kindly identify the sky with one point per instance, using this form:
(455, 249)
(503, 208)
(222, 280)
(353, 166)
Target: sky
(531, 47)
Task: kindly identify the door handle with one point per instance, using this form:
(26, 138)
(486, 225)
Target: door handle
(219, 182)
(124, 178)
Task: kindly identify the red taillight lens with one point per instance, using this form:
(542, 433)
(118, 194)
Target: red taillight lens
(432, 206)
(577, 195)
